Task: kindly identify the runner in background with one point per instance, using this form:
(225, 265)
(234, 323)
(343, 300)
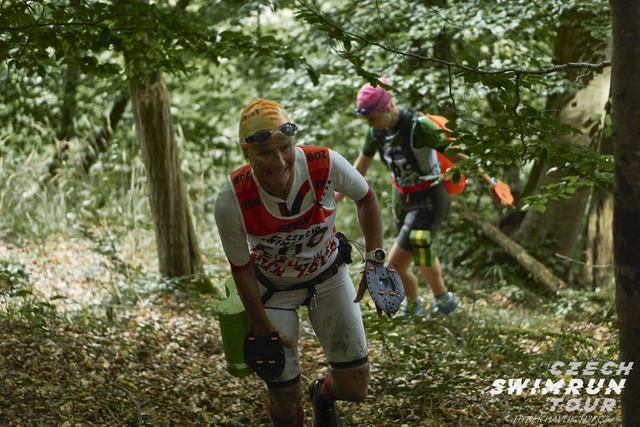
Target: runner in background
(412, 146)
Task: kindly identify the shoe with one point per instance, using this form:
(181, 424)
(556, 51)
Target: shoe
(323, 415)
(445, 304)
(414, 309)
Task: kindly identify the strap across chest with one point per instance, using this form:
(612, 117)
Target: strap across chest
(259, 221)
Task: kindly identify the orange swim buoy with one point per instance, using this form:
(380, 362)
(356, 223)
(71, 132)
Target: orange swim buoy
(453, 188)
(502, 192)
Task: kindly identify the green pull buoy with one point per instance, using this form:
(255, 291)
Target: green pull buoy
(230, 286)
(420, 241)
(234, 327)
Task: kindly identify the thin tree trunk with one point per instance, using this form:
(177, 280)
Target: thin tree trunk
(532, 230)
(101, 140)
(100, 143)
(598, 242)
(440, 48)
(598, 269)
(533, 178)
(70, 103)
(67, 130)
(177, 245)
(626, 196)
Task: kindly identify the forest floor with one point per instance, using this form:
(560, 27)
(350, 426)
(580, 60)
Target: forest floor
(87, 338)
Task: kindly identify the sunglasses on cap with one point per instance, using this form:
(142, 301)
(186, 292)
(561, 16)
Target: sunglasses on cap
(287, 129)
(365, 111)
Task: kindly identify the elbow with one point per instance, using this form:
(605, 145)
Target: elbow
(367, 200)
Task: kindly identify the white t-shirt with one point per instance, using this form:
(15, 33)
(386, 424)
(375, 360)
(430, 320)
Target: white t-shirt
(300, 254)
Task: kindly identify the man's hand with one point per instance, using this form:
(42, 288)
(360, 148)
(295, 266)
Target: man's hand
(384, 285)
(285, 341)
(268, 329)
(263, 329)
(362, 288)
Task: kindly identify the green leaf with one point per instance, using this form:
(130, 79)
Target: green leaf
(22, 19)
(313, 75)
(23, 293)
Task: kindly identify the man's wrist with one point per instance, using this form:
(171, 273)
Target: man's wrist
(261, 323)
(377, 255)
(490, 181)
(263, 328)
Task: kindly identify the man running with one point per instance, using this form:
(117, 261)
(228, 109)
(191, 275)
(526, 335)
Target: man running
(275, 217)
(409, 144)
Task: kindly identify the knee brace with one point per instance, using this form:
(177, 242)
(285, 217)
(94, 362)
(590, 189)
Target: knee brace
(423, 254)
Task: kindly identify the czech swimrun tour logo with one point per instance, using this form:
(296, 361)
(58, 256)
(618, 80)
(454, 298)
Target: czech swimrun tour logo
(583, 392)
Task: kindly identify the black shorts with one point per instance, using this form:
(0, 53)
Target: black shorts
(423, 210)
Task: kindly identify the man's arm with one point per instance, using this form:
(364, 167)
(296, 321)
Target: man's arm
(362, 164)
(234, 242)
(349, 179)
(371, 224)
(370, 220)
(460, 156)
(249, 292)
(425, 136)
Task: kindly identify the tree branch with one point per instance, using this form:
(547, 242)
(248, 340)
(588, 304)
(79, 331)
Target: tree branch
(540, 273)
(453, 99)
(69, 24)
(326, 23)
(101, 140)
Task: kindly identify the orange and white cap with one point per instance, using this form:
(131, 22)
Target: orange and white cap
(261, 114)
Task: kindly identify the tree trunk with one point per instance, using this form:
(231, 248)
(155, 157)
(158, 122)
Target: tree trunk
(101, 140)
(561, 223)
(565, 216)
(598, 244)
(598, 269)
(67, 130)
(178, 252)
(626, 196)
(440, 48)
(533, 178)
(532, 230)
(69, 103)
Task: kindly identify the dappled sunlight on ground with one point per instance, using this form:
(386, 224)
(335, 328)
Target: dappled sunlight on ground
(139, 249)
(66, 272)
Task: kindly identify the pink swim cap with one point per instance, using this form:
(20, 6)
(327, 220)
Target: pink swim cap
(372, 98)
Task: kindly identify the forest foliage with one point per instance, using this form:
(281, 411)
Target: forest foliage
(217, 56)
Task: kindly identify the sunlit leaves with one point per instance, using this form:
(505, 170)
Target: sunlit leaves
(151, 36)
